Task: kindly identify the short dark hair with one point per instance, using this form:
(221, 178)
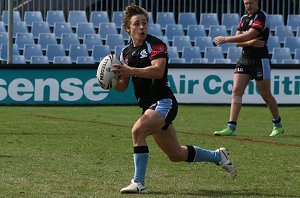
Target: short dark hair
(130, 11)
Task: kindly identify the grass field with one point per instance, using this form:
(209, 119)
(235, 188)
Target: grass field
(87, 152)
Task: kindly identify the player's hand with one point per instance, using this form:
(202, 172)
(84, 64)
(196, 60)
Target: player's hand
(219, 40)
(257, 42)
(122, 70)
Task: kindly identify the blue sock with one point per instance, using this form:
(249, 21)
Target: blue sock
(277, 123)
(232, 125)
(140, 163)
(203, 155)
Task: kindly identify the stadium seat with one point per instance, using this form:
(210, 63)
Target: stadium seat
(55, 16)
(39, 60)
(283, 31)
(199, 60)
(113, 40)
(118, 50)
(226, 46)
(203, 41)
(100, 51)
(213, 52)
(208, 19)
(77, 16)
(275, 20)
(181, 41)
(189, 53)
(67, 39)
(45, 39)
(176, 60)
(150, 16)
(92, 39)
(195, 30)
(3, 55)
(38, 28)
(165, 40)
(107, 28)
(290, 61)
(281, 53)
(186, 19)
(233, 30)
(18, 59)
(24, 38)
(230, 19)
(298, 32)
(61, 28)
(164, 18)
(172, 52)
(293, 20)
(32, 16)
(273, 42)
(54, 50)
(117, 18)
(126, 36)
(62, 60)
(3, 38)
(217, 30)
(19, 27)
(154, 29)
(77, 50)
(173, 30)
(2, 27)
(234, 53)
(85, 60)
(32, 50)
(222, 61)
(84, 28)
(98, 17)
(16, 17)
(297, 54)
(293, 43)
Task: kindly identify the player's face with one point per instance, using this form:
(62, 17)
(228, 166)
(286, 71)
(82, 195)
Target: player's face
(138, 29)
(251, 6)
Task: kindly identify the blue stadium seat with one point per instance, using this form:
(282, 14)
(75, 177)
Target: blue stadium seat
(18, 59)
(16, 16)
(186, 19)
(3, 55)
(275, 20)
(217, 30)
(283, 31)
(273, 42)
(38, 28)
(233, 30)
(54, 50)
(293, 20)
(98, 17)
(181, 41)
(118, 50)
(55, 16)
(164, 18)
(226, 46)
(77, 50)
(92, 39)
(45, 39)
(24, 38)
(203, 41)
(2, 27)
(62, 60)
(100, 51)
(213, 52)
(199, 60)
(154, 29)
(172, 52)
(85, 60)
(208, 19)
(3, 38)
(61, 28)
(173, 30)
(113, 40)
(107, 28)
(177, 60)
(293, 43)
(230, 19)
(39, 60)
(234, 53)
(67, 39)
(117, 18)
(19, 27)
(281, 53)
(165, 40)
(84, 28)
(222, 61)
(297, 54)
(150, 16)
(125, 35)
(190, 52)
(32, 50)
(290, 61)
(77, 16)
(33, 16)
(194, 31)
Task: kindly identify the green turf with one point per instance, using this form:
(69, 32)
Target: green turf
(87, 152)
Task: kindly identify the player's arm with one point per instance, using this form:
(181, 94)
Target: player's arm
(256, 42)
(239, 38)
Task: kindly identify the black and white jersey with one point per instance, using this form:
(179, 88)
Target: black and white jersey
(260, 22)
(148, 91)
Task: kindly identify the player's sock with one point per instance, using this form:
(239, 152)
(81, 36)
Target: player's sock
(197, 154)
(277, 123)
(232, 125)
(140, 156)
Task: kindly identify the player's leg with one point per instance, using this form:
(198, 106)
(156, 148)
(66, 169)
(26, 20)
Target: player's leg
(240, 83)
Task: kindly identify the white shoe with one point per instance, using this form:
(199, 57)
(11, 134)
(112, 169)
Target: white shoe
(135, 187)
(225, 163)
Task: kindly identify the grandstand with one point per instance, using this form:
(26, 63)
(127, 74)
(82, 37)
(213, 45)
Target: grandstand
(80, 27)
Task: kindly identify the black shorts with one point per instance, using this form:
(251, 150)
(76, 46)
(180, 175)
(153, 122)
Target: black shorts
(258, 69)
(167, 108)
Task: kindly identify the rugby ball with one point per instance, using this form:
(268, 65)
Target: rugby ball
(106, 78)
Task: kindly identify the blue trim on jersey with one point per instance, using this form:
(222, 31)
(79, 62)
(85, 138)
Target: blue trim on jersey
(163, 107)
(266, 68)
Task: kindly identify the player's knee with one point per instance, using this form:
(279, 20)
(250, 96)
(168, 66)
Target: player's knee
(137, 132)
